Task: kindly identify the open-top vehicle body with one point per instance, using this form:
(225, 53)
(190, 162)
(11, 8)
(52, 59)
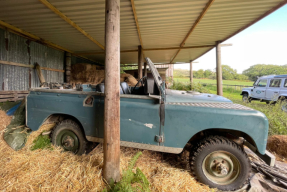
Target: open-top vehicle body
(158, 119)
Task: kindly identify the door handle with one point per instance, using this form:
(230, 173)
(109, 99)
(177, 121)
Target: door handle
(263, 91)
(275, 92)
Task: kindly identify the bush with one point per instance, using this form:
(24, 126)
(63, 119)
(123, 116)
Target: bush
(187, 87)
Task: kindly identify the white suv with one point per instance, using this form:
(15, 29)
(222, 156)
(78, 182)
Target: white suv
(266, 89)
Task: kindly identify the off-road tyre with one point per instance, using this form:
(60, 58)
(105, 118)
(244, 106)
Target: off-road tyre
(245, 98)
(70, 128)
(213, 144)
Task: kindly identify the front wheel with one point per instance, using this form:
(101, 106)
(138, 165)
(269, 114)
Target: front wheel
(245, 98)
(220, 163)
(70, 137)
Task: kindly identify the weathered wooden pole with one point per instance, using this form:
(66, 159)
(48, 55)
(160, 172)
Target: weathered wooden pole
(191, 73)
(111, 170)
(218, 69)
(145, 69)
(140, 62)
(68, 67)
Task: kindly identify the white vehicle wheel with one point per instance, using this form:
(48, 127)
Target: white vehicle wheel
(245, 98)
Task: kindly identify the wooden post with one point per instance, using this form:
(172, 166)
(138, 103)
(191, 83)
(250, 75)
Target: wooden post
(111, 169)
(145, 69)
(191, 73)
(68, 67)
(218, 69)
(140, 62)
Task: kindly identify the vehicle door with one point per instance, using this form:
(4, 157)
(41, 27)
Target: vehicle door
(272, 91)
(259, 89)
(283, 89)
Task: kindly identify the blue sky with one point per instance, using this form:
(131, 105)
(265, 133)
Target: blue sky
(265, 42)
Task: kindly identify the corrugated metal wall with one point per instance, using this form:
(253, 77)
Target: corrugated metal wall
(15, 48)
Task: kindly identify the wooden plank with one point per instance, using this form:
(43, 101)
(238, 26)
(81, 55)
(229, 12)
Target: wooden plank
(4, 100)
(16, 64)
(29, 66)
(68, 20)
(39, 72)
(50, 69)
(218, 69)
(13, 96)
(140, 62)
(150, 49)
(12, 92)
(137, 22)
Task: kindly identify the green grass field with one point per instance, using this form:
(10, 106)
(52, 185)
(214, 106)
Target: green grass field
(211, 81)
(276, 117)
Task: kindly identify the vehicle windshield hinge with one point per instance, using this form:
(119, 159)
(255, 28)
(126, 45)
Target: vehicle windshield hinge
(159, 139)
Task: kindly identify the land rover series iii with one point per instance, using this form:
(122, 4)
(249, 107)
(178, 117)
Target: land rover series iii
(159, 119)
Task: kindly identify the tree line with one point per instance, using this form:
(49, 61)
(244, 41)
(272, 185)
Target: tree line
(229, 73)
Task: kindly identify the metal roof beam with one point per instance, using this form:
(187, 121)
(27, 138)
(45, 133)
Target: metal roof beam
(64, 17)
(37, 39)
(150, 49)
(207, 6)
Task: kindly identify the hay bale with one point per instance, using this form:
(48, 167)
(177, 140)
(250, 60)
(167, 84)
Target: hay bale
(53, 170)
(131, 80)
(278, 144)
(4, 119)
(84, 73)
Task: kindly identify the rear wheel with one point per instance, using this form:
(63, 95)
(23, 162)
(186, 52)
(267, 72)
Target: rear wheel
(70, 137)
(220, 163)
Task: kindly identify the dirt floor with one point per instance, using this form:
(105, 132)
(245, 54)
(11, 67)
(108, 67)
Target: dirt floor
(53, 170)
(277, 145)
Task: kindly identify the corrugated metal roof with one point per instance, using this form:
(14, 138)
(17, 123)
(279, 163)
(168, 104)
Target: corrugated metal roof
(162, 24)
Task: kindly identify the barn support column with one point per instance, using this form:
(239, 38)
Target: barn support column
(191, 73)
(68, 67)
(145, 69)
(218, 69)
(111, 170)
(140, 62)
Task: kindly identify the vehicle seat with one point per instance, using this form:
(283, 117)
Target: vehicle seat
(101, 88)
(125, 88)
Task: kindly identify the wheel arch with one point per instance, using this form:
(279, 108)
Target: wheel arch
(228, 133)
(243, 92)
(59, 117)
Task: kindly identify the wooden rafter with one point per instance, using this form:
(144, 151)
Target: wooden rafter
(64, 17)
(137, 23)
(150, 49)
(207, 6)
(37, 39)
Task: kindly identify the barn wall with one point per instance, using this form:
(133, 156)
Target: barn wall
(169, 71)
(15, 48)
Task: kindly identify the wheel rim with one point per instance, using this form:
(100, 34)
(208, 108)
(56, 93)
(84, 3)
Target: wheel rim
(245, 99)
(221, 167)
(68, 140)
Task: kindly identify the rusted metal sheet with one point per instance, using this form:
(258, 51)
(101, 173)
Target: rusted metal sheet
(21, 50)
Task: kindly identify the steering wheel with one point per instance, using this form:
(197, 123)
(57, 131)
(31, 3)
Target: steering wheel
(140, 80)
